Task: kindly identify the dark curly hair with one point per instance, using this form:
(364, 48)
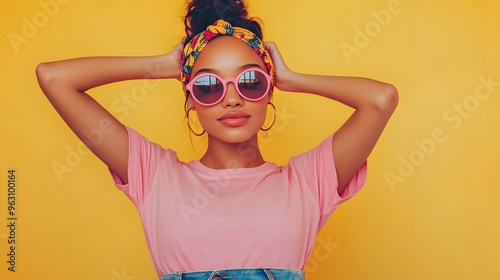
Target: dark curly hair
(202, 13)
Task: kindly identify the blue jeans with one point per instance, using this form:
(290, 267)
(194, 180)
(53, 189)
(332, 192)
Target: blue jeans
(238, 274)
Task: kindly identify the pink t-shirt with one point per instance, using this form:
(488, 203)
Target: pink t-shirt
(197, 218)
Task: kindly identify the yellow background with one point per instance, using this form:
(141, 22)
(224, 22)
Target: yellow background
(426, 212)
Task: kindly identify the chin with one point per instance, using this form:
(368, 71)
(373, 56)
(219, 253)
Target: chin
(234, 136)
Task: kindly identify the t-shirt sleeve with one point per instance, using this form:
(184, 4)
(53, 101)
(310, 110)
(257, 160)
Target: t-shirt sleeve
(143, 159)
(316, 169)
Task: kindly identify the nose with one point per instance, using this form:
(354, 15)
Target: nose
(232, 98)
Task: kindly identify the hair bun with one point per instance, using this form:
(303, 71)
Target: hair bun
(202, 13)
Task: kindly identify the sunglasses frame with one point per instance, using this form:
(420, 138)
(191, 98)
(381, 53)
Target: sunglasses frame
(189, 86)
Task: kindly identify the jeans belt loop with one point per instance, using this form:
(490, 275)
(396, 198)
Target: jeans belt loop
(269, 273)
(212, 275)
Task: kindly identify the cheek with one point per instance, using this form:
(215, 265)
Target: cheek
(262, 112)
(204, 114)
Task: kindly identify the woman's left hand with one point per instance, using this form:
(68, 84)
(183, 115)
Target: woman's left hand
(283, 73)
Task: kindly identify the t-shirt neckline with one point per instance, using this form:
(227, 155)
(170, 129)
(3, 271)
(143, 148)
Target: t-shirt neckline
(200, 167)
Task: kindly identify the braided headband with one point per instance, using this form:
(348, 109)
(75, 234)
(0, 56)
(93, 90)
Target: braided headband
(193, 49)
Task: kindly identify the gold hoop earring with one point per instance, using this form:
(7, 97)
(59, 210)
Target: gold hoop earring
(189, 126)
(274, 119)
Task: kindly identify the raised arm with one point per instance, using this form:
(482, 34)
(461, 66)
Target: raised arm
(64, 84)
(373, 101)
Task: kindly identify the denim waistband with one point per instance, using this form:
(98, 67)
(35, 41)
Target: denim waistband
(238, 274)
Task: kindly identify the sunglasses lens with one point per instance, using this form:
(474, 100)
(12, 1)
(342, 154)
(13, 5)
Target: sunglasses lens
(207, 89)
(253, 84)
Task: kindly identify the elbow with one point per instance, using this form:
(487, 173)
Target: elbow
(43, 75)
(47, 77)
(387, 99)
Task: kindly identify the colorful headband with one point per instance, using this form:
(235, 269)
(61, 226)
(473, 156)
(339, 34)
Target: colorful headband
(193, 49)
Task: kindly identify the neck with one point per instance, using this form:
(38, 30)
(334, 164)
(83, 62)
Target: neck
(222, 155)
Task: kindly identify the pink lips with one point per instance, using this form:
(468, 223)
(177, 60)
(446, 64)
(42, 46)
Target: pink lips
(234, 119)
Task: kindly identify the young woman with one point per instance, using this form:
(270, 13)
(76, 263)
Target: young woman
(230, 214)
